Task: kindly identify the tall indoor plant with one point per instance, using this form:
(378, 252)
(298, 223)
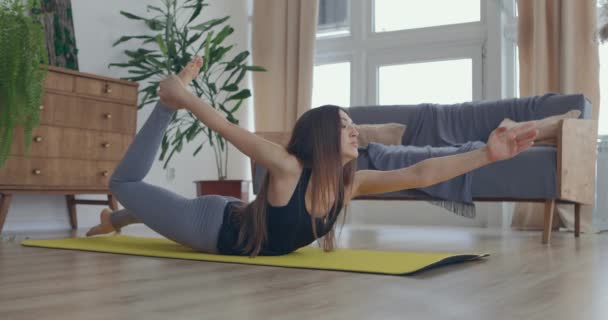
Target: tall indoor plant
(22, 50)
(169, 45)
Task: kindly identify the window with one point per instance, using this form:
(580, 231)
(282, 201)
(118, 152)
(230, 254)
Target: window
(333, 18)
(331, 84)
(437, 82)
(391, 15)
(433, 53)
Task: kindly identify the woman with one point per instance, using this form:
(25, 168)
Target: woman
(307, 185)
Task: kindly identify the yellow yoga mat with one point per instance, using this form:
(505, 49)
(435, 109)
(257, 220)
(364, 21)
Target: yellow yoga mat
(368, 261)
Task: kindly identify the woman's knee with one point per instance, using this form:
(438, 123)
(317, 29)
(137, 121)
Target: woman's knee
(116, 186)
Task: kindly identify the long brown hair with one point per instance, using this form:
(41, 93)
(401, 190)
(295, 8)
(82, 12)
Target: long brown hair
(316, 142)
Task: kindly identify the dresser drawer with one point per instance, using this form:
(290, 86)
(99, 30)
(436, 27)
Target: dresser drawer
(60, 173)
(79, 112)
(106, 89)
(59, 81)
(71, 143)
(109, 116)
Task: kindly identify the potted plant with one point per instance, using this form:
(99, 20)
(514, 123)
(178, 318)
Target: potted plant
(167, 48)
(22, 50)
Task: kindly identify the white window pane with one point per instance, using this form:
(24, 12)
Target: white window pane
(443, 82)
(333, 19)
(603, 120)
(331, 84)
(391, 15)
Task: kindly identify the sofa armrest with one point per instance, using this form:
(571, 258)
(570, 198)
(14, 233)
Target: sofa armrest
(576, 157)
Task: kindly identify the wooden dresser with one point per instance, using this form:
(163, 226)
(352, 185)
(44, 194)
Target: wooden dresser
(86, 124)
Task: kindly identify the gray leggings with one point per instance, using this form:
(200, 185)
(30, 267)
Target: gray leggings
(192, 222)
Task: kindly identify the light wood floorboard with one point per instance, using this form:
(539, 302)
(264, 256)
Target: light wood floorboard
(522, 279)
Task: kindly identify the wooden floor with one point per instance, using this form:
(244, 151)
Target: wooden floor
(522, 279)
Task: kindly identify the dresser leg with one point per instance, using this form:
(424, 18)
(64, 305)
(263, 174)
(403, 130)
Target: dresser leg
(577, 219)
(5, 203)
(112, 202)
(71, 200)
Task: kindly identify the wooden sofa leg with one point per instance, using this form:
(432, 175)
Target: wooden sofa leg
(577, 219)
(549, 207)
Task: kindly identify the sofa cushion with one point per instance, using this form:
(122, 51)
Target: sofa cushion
(445, 125)
(387, 133)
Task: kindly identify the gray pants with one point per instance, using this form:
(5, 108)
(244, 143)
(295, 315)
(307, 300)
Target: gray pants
(192, 222)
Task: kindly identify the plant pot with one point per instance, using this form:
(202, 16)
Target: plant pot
(233, 188)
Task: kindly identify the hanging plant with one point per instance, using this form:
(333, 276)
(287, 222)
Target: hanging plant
(603, 20)
(174, 38)
(56, 16)
(22, 50)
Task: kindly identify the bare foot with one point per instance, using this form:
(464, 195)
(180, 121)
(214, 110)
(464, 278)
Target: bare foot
(104, 226)
(547, 127)
(191, 70)
(172, 90)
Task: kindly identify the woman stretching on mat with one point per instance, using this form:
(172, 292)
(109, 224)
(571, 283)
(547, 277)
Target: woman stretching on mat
(307, 185)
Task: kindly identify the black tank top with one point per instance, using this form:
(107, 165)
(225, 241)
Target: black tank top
(288, 227)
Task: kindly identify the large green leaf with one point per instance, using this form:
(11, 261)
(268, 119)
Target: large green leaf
(240, 57)
(203, 27)
(243, 94)
(155, 24)
(145, 76)
(241, 75)
(161, 45)
(154, 8)
(212, 88)
(131, 16)
(207, 44)
(120, 65)
(197, 10)
(194, 38)
(226, 31)
(237, 106)
(231, 88)
(127, 38)
(255, 68)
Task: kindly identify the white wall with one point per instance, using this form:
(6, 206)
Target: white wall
(97, 25)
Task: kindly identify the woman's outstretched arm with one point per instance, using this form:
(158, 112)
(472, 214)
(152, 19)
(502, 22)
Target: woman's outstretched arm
(271, 155)
(503, 144)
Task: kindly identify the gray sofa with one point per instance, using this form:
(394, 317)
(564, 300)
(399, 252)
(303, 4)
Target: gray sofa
(563, 173)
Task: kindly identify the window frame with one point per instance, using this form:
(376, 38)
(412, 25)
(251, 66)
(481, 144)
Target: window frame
(486, 42)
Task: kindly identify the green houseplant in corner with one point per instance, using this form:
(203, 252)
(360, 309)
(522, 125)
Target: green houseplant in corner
(22, 50)
(175, 36)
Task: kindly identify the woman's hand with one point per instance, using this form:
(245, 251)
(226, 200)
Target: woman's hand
(173, 93)
(505, 143)
(172, 90)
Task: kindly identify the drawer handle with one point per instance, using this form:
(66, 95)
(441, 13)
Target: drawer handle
(107, 88)
(37, 172)
(106, 145)
(107, 115)
(41, 107)
(105, 173)
(38, 139)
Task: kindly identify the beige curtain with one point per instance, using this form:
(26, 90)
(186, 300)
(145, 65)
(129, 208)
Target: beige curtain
(557, 53)
(283, 41)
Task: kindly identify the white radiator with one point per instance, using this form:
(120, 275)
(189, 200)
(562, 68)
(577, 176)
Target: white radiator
(600, 210)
